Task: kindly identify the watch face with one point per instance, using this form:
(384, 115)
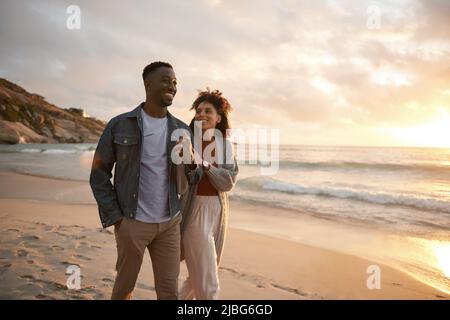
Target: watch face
(205, 163)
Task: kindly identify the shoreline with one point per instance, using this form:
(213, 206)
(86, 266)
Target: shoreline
(237, 199)
(56, 212)
(234, 199)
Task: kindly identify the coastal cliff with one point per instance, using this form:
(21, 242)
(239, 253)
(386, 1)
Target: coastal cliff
(28, 118)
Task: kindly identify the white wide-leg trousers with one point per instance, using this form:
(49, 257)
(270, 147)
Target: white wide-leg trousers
(200, 250)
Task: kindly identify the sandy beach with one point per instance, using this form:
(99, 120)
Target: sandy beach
(49, 224)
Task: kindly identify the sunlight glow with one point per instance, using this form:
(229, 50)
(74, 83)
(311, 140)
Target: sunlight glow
(323, 85)
(442, 253)
(433, 134)
(388, 77)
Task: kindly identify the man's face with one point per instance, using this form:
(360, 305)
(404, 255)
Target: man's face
(161, 86)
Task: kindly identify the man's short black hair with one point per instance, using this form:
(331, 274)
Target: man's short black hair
(153, 66)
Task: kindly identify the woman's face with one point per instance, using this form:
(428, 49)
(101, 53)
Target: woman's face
(207, 114)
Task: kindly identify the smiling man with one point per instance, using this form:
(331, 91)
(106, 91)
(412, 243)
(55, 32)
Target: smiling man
(143, 203)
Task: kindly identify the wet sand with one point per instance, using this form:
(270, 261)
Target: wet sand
(48, 225)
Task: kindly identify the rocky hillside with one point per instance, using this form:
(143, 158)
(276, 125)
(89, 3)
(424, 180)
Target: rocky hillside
(27, 117)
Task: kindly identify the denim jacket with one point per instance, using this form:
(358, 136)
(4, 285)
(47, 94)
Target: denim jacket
(120, 144)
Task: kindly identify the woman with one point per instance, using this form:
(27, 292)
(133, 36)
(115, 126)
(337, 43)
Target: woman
(205, 207)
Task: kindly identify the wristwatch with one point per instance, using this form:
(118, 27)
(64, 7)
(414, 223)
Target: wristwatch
(205, 164)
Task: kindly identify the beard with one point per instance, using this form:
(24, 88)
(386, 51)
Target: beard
(165, 102)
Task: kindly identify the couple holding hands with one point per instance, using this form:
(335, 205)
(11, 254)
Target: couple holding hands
(177, 209)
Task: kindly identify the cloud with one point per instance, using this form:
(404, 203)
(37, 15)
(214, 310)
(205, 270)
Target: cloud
(312, 65)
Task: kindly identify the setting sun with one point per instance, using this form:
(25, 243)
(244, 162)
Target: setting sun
(442, 253)
(432, 134)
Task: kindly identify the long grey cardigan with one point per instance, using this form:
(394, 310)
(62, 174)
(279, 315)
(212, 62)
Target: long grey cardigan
(223, 178)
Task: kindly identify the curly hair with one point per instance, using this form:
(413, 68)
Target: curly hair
(221, 105)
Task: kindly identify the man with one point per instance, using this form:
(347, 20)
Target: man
(143, 203)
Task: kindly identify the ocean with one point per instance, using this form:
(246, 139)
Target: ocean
(397, 191)
(403, 189)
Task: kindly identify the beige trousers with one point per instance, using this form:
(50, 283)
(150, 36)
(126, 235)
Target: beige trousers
(162, 240)
(200, 250)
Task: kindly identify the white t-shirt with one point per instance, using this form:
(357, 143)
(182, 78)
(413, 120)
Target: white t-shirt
(153, 197)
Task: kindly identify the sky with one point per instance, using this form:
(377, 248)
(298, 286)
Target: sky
(373, 73)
